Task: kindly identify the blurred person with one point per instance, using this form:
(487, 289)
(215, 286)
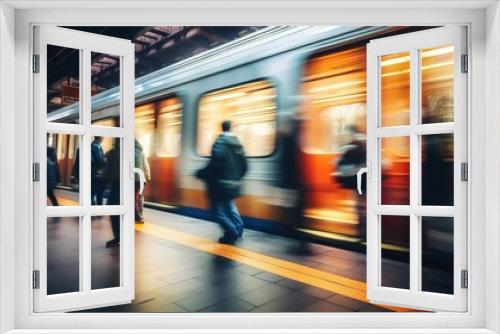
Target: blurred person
(112, 176)
(98, 167)
(437, 153)
(142, 163)
(75, 172)
(352, 159)
(223, 176)
(289, 179)
(53, 175)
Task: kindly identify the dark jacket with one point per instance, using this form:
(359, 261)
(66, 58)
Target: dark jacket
(53, 175)
(112, 170)
(75, 173)
(226, 168)
(98, 159)
(290, 171)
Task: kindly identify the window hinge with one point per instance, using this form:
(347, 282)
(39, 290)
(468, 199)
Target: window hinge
(36, 279)
(36, 172)
(465, 63)
(464, 171)
(36, 63)
(465, 279)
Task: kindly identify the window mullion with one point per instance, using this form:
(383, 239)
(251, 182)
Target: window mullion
(85, 274)
(415, 269)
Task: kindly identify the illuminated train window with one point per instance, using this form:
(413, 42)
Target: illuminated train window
(168, 138)
(250, 107)
(145, 127)
(334, 90)
(107, 142)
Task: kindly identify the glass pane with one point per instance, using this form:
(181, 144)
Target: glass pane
(252, 110)
(437, 169)
(145, 127)
(105, 171)
(63, 166)
(105, 75)
(395, 271)
(334, 103)
(63, 255)
(168, 141)
(63, 84)
(437, 84)
(395, 165)
(437, 254)
(395, 89)
(105, 266)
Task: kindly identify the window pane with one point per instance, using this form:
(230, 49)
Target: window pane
(105, 171)
(105, 266)
(105, 75)
(395, 251)
(437, 254)
(63, 84)
(437, 84)
(252, 110)
(63, 165)
(63, 255)
(168, 141)
(437, 169)
(145, 127)
(395, 89)
(334, 90)
(395, 165)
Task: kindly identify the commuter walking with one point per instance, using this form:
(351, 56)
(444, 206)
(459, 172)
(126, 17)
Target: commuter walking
(98, 167)
(75, 172)
(112, 176)
(223, 176)
(53, 175)
(290, 180)
(353, 158)
(142, 163)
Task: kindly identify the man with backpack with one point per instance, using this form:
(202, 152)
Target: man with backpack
(223, 176)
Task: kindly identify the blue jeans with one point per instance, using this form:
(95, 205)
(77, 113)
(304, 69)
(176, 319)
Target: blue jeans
(226, 214)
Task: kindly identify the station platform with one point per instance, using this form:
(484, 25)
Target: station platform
(180, 267)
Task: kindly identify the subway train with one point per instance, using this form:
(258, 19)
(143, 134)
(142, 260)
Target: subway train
(261, 82)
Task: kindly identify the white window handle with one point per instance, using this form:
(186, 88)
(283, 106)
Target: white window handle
(359, 175)
(142, 179)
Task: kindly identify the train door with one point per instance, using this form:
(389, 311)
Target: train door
(168, 149)
(70, 270)
(417, 95)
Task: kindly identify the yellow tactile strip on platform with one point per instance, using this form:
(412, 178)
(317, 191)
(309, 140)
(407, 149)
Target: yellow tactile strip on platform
(339, 284)
(314, 277)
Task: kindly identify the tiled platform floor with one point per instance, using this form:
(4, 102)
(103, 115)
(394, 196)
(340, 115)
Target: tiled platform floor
(174, 277)
(181, 268)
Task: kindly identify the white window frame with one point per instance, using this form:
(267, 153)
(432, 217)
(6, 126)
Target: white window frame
(16, 21)
(414, 43)
(85, 43)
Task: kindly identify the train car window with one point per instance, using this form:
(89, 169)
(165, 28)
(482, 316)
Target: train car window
(72, 147)
(250, 107)
(107, 143)
(334, 91)
(62, 146)
(145, 127)
(51, 139)
(168, 139)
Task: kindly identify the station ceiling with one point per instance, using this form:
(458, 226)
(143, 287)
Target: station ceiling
(155, 48)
